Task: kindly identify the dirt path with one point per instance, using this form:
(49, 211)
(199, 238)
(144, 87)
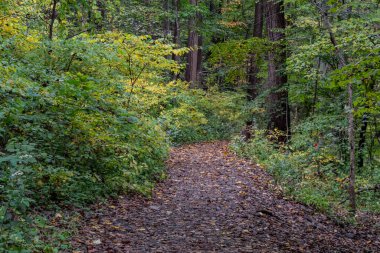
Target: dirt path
(215, 202)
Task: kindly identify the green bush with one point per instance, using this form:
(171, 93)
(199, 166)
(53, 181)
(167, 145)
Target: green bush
(68, 137)
(202, 116)
(309, 172)
(79, 123)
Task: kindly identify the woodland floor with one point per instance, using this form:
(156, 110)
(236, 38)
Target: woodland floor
(213, 201)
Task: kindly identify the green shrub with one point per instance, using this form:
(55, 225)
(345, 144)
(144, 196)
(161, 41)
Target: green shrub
(79, 122)
(68, 137)
(201, 116)
(310, 173)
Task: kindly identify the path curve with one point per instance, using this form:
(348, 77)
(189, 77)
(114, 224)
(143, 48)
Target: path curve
(214, 202)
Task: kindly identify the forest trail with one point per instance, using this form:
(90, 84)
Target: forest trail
(213, 201)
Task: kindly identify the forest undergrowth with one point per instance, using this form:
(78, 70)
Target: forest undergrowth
(84, 135)
(93, 94)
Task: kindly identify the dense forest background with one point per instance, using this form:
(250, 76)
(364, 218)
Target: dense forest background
(94, 92)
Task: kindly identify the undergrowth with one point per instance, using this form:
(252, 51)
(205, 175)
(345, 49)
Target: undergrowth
(91, 118)
(311, 172)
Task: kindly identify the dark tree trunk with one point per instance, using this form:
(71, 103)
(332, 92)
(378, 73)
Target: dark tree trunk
(253, 70)
(258, 25)
(176, 30)
(194, 57)
(279, 115)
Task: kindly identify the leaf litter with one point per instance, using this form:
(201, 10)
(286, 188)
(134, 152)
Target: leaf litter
(213, 201)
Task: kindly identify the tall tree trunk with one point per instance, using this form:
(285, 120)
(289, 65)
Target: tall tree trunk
(176, 30)
(194, 57)
(259, 20)
(323, 8)
(279, 114)
(253, 69)
(192, 60)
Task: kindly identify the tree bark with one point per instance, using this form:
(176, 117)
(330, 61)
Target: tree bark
(279, 114)
(193, 62)
(194, 57)
(253, 70)
(259, 20)
(176, 29)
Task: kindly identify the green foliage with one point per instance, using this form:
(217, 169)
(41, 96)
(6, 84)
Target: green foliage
(87, 117)
(189, 115)
(91, 112)
(201, 116)
(229, 60)
(317, 86)
(67, 134)
(312, 168)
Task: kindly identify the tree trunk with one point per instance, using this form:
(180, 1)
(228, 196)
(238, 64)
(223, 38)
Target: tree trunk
(192, 60)
(279, 114)
(253, 70)
(176, 30)
(350, 117)
(259, 20)
(194, 57)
